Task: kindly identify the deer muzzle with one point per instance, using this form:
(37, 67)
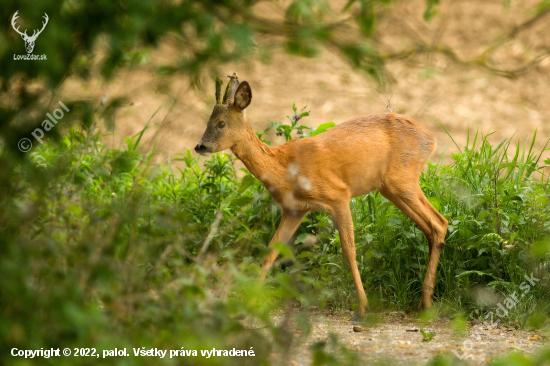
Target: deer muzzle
(203, 150)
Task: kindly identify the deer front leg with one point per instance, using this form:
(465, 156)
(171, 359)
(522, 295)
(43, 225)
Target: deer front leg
(344, 224)
(289, 223)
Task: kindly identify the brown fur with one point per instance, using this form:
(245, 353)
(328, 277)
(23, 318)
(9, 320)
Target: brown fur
(384, 152)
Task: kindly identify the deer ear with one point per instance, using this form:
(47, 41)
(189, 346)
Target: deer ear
(243, 96)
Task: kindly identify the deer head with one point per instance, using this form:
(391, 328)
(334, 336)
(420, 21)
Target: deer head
(227, 124)
(29, 40)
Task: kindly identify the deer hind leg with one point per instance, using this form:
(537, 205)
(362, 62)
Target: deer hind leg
(289, 223)
(416, 206)
(344, 224)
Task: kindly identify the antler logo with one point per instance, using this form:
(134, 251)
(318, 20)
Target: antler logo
(29, 40)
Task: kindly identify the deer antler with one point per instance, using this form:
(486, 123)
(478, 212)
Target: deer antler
(34, 34)
(15, 16)
(43, 26)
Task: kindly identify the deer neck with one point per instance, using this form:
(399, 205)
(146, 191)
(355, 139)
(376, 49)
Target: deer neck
(260, 159)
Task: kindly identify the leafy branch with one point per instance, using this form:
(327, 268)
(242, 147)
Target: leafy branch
(295, 128)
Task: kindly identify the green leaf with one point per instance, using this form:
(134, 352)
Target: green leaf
(241, 201)
(322, 128)
(366, 17)
(483, 214)
(431, 10)
(507, 165)
(479, 273)
(305, 255)
(273, 125)
(484, 167)
(348, 5)
(246, 182)
(301, 238)
(435, 202)
(284, 250)
(426, 336)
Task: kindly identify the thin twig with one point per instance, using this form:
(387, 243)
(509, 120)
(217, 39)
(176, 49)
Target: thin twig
(211, 234)
(387, 101)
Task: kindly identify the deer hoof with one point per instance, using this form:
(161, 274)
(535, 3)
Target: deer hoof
(357, 318)
(360, 313)
(424, 306)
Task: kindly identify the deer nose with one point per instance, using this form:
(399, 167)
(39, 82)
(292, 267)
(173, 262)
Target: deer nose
(200, 148)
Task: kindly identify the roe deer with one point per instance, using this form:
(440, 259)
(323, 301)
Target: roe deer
(384, 152)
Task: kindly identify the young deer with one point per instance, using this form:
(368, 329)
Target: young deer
(384, 152)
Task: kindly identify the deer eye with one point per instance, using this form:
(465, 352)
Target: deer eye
(221, 124)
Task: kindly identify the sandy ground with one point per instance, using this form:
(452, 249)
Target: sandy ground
(429, 88)
(396, 340)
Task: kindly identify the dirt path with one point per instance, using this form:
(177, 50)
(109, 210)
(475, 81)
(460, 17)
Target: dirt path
(396, 340)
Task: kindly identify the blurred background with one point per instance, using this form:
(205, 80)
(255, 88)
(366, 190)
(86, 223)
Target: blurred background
(467, 64)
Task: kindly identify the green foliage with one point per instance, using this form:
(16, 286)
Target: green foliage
(431, 9)
(129, 254)
(426, 336)
(295, 128)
